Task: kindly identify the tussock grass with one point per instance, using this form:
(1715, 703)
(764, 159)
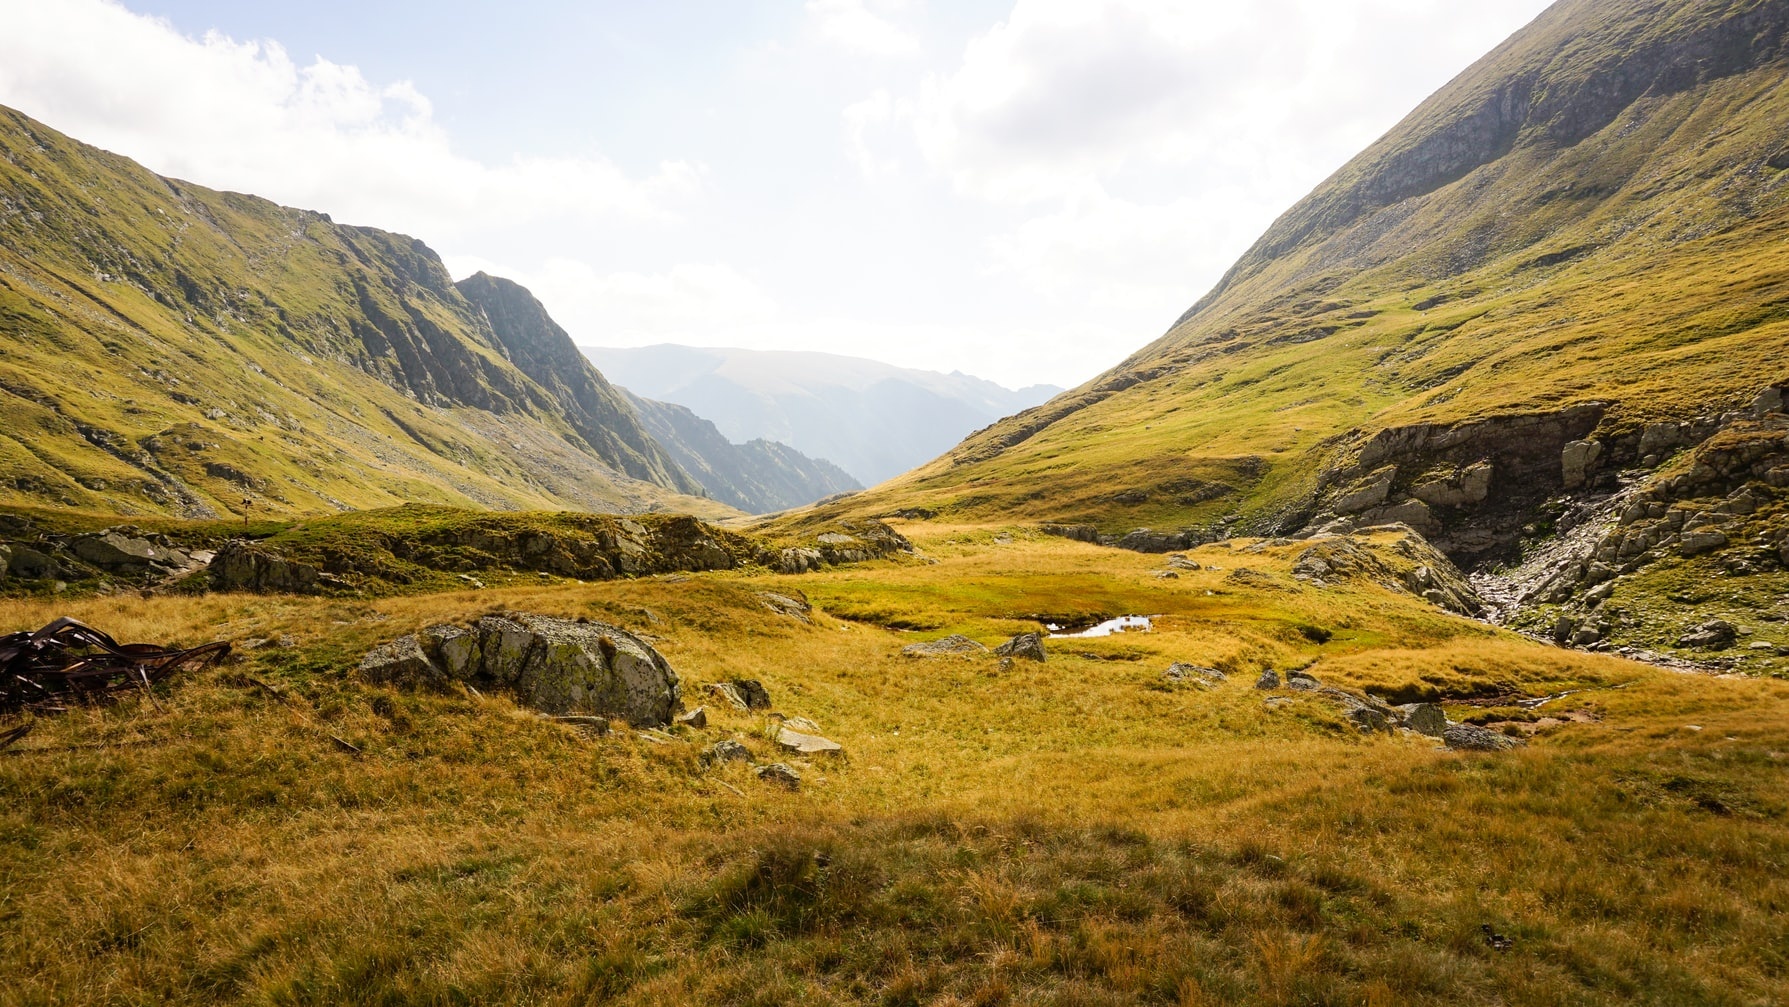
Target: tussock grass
(1069, 833)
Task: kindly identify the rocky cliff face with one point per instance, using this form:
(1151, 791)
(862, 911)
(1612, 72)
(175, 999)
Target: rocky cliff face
(601, 415)
(757, 477)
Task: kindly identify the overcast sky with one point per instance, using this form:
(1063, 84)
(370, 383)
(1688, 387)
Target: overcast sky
(1025, 191)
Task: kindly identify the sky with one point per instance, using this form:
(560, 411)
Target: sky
(1023, 190)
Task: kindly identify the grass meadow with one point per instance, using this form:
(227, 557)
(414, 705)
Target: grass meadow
(1075, 832)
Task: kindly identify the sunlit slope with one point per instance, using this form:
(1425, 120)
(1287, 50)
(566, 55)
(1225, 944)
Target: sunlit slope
(165, 348)
(1596, 211)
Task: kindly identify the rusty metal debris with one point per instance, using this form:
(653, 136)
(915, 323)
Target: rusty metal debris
(67, 662)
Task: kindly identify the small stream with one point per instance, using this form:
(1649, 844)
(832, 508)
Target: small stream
(1122, 624)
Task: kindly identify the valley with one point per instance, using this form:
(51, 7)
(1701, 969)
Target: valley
(1408, 624)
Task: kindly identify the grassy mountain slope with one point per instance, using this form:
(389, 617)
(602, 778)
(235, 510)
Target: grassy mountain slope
(757, 477)
(1592, 214)
(165, 348)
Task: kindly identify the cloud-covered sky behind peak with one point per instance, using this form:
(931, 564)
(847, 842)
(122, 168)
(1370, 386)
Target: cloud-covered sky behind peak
(1027, 191)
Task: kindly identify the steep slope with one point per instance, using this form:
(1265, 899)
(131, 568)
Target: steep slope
(757, 477)
(1517, 314)
(872, 419)
(542, 350)
(165, 348)
(1590, 216)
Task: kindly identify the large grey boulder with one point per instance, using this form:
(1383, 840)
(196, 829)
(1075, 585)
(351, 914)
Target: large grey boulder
(1029, 646)
(117, 552)
(556, 666)
(1302, 681)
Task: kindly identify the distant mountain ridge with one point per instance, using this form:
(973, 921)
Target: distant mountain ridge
(873, 420)
(757, 477)
(167, 348)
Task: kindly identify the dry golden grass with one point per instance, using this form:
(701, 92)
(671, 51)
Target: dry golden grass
(1075, 832)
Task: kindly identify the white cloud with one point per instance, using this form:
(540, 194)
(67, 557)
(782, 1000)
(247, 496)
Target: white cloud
(244, 115)
(863, 26)
(691, 302)
(1128, 151)
(1063, 91)
(1114, 255)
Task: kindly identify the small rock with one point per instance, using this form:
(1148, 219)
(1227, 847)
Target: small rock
(694, 718)
(793, 604)
(1166, 575)
(1269, 679)
(1178, 562)
(1368, 719)
(598, 726)
(1696, 543)
(1576, 461)
(1424, 718)
(753, 692)
(725, 691)
(1715, 634)
(1029, 646)
(1302, 681)
(807, 744)
(954, 644)
(801, 724)
(1768, 401)
(778, 772)
(1180, 672)
(726, 750)
(1471, 737)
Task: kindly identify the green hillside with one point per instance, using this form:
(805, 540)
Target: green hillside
(1593, 213)
(168, 349)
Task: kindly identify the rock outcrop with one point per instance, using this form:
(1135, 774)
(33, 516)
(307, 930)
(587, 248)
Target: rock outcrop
(954, 645)
(1028, 646)
(553, 665)
(1409, 563)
